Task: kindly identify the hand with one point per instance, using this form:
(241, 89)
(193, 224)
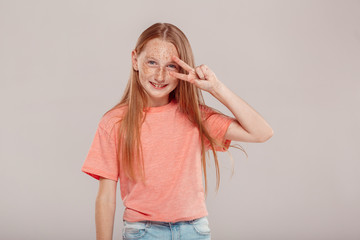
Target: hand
(202, 76)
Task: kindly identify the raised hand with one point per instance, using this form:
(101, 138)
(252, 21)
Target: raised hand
(202, 76)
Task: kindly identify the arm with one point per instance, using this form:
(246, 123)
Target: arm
(105, 209)
(250, 126)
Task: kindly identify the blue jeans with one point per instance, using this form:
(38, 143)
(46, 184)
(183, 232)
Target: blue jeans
(184, 230)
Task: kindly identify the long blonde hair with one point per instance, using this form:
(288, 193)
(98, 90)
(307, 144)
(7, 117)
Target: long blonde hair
(134, 99)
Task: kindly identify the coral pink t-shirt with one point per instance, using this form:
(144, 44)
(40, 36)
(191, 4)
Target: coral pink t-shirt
(172, 158)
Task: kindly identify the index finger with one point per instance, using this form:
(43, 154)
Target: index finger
(183, 64)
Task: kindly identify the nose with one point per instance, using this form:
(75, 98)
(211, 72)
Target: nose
(160, 76)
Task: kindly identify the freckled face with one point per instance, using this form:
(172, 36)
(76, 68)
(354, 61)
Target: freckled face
(154, 64)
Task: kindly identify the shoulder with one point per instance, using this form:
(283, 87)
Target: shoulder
(112, 118)
(207, 111)
(210, 114)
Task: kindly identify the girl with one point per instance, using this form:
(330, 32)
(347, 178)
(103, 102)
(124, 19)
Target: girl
(156, 137)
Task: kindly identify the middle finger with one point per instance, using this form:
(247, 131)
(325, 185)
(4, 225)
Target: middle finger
(200, 73)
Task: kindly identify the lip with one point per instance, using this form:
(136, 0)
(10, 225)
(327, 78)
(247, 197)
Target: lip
(158, 87)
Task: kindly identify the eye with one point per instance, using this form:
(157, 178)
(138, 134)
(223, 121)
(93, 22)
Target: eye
(173, 66)
(151, 62)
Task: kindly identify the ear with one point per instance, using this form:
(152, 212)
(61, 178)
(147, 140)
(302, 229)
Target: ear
(134, 60)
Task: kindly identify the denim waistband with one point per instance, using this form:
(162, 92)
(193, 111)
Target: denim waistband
(147, 222)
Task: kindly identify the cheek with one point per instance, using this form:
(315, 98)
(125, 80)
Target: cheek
(175, 82)
(171, 77)
(174, 78)
(146, 72)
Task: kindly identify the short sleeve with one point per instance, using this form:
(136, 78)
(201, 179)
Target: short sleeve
(217, 125)
(101, 159)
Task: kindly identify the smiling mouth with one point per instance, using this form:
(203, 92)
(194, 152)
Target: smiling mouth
(158, 85)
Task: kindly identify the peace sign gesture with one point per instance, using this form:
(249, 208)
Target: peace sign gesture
(202, 76)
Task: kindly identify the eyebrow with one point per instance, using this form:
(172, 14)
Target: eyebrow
(158, 60)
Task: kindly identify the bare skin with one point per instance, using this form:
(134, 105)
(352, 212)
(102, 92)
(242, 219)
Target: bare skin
(250, 126)
(105, 209)
(154, 64)
(159, 63)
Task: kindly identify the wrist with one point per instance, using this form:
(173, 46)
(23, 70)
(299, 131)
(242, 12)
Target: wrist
(217, 89)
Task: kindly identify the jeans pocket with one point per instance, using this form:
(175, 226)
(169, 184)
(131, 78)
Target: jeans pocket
(134, 230)
(201, 225)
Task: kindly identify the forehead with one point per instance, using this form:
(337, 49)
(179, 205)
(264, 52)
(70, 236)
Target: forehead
(158, 48)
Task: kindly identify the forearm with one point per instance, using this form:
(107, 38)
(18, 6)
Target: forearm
(104, 219)
(247, 117)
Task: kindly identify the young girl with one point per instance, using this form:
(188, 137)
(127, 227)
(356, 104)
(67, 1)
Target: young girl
(156, 137)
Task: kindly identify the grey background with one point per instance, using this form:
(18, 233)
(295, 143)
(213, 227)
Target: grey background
(64, 63)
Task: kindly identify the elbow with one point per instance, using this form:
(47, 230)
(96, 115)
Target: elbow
(266, 137)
